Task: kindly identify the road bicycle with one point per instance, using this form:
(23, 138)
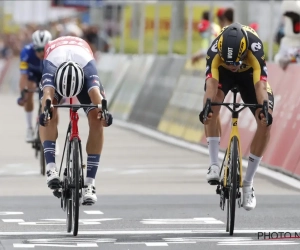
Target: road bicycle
(70, 189)
(228, 186)
(36, 143)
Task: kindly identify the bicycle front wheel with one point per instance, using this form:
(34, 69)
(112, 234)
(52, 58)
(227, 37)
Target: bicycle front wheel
(232, 183)
(75, 190)
(42, 157)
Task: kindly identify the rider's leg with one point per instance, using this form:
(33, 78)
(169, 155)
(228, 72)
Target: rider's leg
(48, 137)
(212, 131)
(94, 143)
(28, 107)
(257, 147)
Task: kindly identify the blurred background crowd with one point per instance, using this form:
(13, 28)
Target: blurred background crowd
(126, 27)
(12, 43)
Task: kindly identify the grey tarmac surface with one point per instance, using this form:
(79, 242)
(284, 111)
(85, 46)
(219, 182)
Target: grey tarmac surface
(150, 195)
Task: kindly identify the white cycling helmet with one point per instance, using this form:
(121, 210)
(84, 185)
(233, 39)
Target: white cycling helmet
(69, 78)
(40, 38)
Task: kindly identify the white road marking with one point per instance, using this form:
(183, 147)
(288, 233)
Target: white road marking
(55, 245)
(156, 244)
(51, 222)
(257, 243)
(18, 169)
(201, 149)
(93, 212)
(152, 232)
(13, 220)
(70, 240)
(206, 239)
(10, 213)
(133, 171)
(23, 245)
(181, 221)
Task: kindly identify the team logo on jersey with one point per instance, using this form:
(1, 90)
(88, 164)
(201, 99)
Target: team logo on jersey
(256, 46)
(214, 47)
(23, 65)
(266, 70)
(207, 68)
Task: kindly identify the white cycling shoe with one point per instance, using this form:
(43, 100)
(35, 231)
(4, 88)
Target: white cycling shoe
(29, 135)
(213, 175)
(53, 180)
(89, 195)
(249, 199)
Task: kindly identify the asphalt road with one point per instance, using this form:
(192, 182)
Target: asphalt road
(150, 195)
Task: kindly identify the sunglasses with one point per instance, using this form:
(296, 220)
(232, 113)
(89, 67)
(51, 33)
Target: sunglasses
(234, 63)
(39, 49)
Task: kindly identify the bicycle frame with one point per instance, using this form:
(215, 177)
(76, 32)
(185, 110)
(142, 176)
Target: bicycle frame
(74, 117)
(234, 124)
(234, 132)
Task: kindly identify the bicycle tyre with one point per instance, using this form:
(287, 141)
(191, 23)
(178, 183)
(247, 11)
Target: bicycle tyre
(75, 191)
(42, 159)
(39, 146)
(233, 183)
(67, 196)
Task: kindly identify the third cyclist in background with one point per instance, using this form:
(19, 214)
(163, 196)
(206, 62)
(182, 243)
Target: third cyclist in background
(31, 58)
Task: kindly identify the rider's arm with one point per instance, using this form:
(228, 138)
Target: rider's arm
(48, 84)
(48, 93)
(93, 82)
(211, 89)
(23, 69)
(213, 62)
(259, 74)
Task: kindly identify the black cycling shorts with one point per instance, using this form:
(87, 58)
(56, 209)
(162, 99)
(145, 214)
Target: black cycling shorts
(244, 81)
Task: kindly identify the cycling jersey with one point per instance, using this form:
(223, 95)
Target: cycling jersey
(71, 48)
(255, 58)
(30, 64)
(77, 50)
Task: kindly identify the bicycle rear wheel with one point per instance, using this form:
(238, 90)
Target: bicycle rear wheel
(232, 183)
(40, 148)
(75, 190)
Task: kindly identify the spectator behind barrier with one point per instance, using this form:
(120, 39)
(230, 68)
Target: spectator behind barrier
(289, 50)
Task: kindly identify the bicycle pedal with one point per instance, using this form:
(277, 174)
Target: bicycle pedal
(214, 182)
(87, 203)
(54, 184)
(57, 193)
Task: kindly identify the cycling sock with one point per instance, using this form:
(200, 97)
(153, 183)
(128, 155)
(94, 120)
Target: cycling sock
(92, 167)
(49, 151)
(253, 164)
(213, 149)
(29, 118)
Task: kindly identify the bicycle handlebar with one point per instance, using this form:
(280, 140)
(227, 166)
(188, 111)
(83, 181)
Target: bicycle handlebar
(207, 107)
(102, 106)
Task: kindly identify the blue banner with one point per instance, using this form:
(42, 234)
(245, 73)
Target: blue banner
(82, 3)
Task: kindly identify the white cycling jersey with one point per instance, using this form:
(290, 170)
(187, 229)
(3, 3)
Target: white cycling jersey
(68, 48)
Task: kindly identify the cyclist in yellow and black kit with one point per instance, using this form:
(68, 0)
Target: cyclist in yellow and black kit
(236, 57)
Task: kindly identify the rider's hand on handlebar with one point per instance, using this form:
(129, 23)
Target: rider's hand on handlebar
(46, 116)
(105, 121)
(208, 119)
(263, 119)
(201, 117)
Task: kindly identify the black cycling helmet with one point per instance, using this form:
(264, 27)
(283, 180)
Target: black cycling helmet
(232, 44)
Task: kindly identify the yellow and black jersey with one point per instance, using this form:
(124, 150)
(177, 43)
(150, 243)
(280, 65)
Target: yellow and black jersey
(255, 58)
